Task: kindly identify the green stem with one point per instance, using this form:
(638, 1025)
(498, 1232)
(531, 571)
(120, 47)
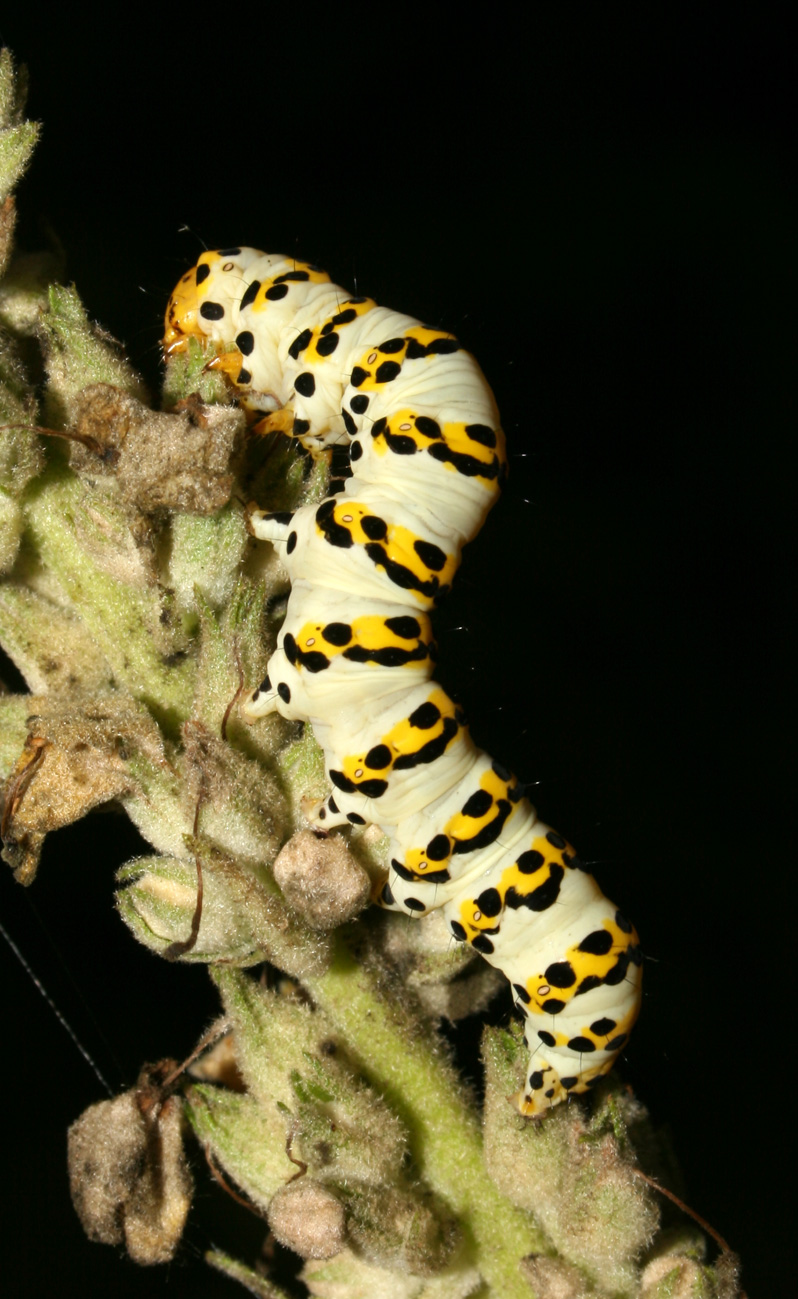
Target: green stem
(420, 1083)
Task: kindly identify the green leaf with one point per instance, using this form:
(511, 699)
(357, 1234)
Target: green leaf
(16, 147)
(245, 1137)
(84, 539)
(13, 90)
(50, 646)
(258, 1285)
(78, 354)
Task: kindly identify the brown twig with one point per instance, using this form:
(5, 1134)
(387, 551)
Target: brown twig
(216, 1030)
(702, 1222)
(183, 945)
(27, 765)
(300, 1163)
(109, 454)
(225, 1185)
(228, 710)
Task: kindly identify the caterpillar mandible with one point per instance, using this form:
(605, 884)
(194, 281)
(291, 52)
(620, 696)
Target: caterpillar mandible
(355, 655)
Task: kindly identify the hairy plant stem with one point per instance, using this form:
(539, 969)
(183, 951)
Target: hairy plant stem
(419, 1082)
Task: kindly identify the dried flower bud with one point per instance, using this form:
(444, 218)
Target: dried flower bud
(551, 1278)
(178, 461)
(350, 1274)
(309, 1219)
(128, 1174)
(219, 1064)
(321, 879)
(78, 754)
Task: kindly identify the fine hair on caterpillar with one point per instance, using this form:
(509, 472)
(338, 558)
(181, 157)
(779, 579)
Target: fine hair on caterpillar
(355, 656)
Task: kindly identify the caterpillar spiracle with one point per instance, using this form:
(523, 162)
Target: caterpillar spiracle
(355, 654)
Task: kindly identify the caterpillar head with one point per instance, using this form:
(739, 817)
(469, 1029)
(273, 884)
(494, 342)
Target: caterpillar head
(205, 299)
(200, 308)
(181, 321)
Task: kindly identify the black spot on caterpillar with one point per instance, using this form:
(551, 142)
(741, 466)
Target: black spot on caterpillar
(427, 461)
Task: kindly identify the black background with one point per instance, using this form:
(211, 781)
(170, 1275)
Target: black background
(604, 212)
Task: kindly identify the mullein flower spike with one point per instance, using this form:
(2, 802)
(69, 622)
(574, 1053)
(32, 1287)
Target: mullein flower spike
(141, 613)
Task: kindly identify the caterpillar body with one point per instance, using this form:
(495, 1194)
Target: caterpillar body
(355, 655)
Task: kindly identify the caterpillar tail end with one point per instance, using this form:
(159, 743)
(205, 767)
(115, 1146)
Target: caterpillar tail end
(546, 1088)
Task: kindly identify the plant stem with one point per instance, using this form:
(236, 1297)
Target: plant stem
(419, 1081)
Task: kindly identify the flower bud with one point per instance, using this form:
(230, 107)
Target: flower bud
(673, 1277)
(321, 879)
(246, 1139)
(11, 526)
(449, 982)
(349, 1274)
(205, 556)
(287, 1053)
(17, 137)
(78, 353)
(306, 1217)
(401, 1229)
(188, 374)
(51, 647)
(128, 1174)
(242, 809)
(243, 920)
(98, 551)
(179, 461)
(551, 1278)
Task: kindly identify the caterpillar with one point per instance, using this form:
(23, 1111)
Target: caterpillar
(355, 655)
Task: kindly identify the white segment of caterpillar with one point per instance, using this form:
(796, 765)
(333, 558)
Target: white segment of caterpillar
(355, 655)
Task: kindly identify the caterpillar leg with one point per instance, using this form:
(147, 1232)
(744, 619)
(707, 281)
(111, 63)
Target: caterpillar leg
(281, 691)
(259, 702)
(269, 527)
(324, 814)
(277, 421)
